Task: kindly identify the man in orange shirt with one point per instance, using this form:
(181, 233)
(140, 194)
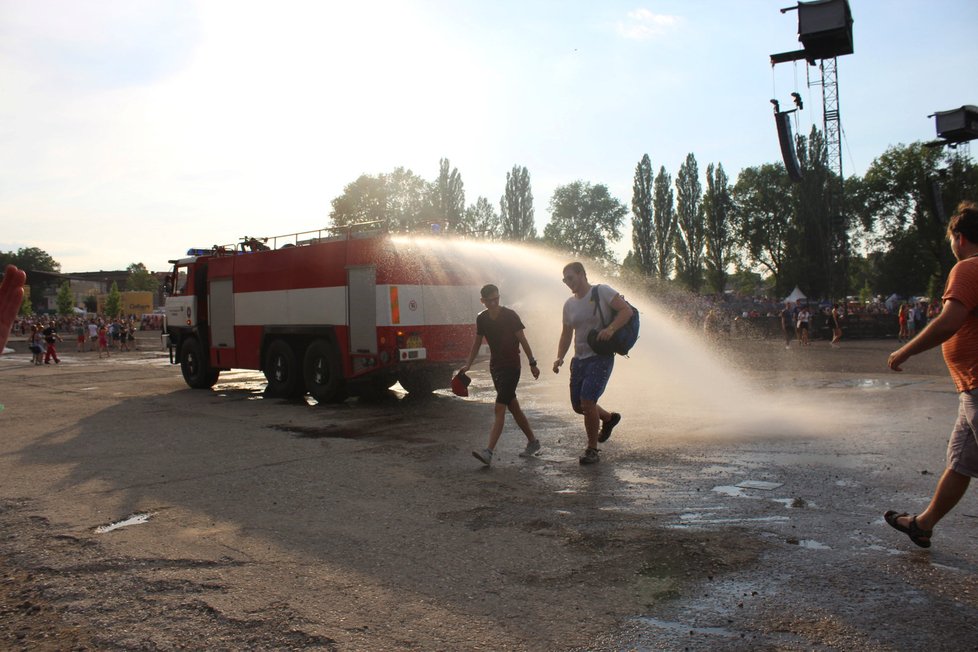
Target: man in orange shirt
(956, 330)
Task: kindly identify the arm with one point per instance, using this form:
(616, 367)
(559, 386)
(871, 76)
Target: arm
(476, 343)
(938, 331)
(624, 314)
(521, 338)
(565, 341)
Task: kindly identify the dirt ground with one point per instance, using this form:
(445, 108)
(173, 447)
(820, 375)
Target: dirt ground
(257, 523)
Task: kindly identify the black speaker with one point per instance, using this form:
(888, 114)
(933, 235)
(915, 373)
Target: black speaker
(787, 141)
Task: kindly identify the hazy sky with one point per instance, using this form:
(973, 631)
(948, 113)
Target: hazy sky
(131, 130)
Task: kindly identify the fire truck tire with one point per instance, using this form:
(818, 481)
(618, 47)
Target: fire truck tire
(197, 373)
(418, 382)
(323, 372)
(282, 371)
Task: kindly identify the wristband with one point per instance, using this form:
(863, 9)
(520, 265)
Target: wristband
(533, 363)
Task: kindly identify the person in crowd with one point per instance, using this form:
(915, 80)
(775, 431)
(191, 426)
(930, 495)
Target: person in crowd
(36, 344)
(903, 335)
(103, 341)
(51, 338)
(836, 322)
(589, 372)
(955, 329)
(787, 324)
(804, 319)
(503, 330)
(80, 337)
(911, 320)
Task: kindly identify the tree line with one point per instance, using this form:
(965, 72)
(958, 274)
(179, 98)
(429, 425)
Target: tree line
(879, 233)
(758, 234)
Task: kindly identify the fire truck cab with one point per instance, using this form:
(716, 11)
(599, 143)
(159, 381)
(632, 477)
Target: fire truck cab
(324, 312)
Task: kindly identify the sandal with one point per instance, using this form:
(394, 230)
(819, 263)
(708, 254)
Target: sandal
(918, 536)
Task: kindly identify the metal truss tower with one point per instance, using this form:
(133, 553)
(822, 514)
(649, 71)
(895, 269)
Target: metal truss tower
(838, 239)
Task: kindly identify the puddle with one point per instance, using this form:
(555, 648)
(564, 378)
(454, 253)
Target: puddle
(566, 491)
(133, 519)
(809, 544)
(763, 485)
(335, 432)
(728, 490)
(793, 503)
(632, 477)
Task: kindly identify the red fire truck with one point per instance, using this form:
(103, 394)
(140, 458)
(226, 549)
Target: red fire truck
(331, 313)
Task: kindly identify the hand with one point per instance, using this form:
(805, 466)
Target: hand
(605, 333)
(896, 359)
(11, 296)
(557, 364)
(535, 370)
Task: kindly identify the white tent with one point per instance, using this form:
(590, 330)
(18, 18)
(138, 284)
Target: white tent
(795, 296)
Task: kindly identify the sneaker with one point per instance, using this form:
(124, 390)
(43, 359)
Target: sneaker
(484, 456)
(590, 456)
(532, 448)
(608, 426)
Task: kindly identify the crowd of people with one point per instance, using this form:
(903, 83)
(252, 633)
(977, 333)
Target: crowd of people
(89, 334)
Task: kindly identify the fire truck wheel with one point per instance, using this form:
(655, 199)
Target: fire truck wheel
(193, 364)
(419, 382)
(282, 371)
(323, 373)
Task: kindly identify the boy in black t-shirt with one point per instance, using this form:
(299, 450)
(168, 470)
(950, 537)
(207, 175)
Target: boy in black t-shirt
(503, 331)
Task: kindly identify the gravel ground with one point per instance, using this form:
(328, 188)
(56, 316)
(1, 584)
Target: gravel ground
(267, 524)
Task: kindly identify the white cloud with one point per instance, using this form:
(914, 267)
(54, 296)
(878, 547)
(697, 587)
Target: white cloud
(642, 25)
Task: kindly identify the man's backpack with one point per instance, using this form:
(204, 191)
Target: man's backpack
(624, 338)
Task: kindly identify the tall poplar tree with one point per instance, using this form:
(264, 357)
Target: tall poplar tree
(718, 228)
(516, 206)
(689, 212)
(664, 218)
(448, 199)
(643, 227)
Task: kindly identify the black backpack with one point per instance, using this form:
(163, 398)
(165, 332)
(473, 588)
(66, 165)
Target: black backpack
(624, 338)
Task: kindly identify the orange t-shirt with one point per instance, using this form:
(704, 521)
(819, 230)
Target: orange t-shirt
(961, 349)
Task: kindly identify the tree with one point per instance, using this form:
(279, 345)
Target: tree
(689, 214)
(764, 212)
(664, 216)
(364, 200)
(140, 279)
(65, 301)
(32, 259)
(399, 201)
(408, 204)
(481, 220)
(818, 256)
(909, 192)
(449, 197)
(516, 207)
(643, 226)
(718, 230)
(91, 303)
(113, 302)
(583, 218)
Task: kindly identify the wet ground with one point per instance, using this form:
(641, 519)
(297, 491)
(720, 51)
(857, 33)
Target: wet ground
(736, 508)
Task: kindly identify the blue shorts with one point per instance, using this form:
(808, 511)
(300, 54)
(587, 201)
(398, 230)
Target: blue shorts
(589, 377)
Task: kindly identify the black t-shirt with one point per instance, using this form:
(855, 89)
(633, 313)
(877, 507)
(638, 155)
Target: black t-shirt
(500, 333)
(50, 335)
